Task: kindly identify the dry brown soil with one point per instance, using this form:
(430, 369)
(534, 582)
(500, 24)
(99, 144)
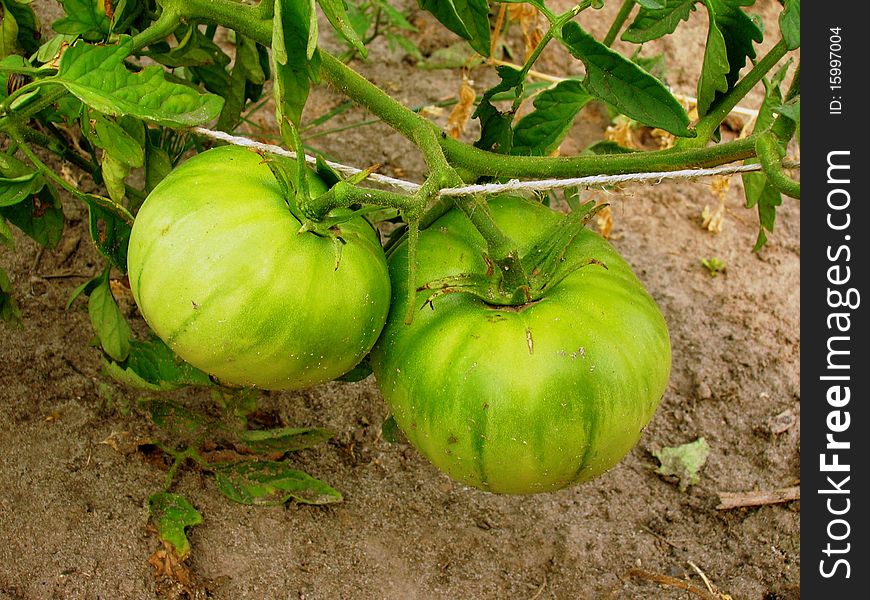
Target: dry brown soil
(73, 512)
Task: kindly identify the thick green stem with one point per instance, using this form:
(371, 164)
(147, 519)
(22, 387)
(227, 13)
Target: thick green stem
(165, 24)
(344, 194)
(618, 22)
(767, 147)
(721, 109)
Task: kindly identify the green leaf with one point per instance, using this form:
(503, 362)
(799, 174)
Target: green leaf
(96, 75)
(739, 32)
(246, 69)
(26, 27)
(158, 164)
(541, 131)
(153, 366)
(194, 48)
(51, 49)
(84, 17)
(684, 462)
(15, 189)
(9, 311)
(40, 217)
(114, 176)
(109, 230)
(653, 23)
(391, 432)
(469, 19)
(336, 14)
(790, 24)
(171, 515)
(85, 288)
(109, 324)
(762, 194)
(112, 138)
(714, 72)
(652, 4)
(293, 57)
(175, 419)
(271, 483)
(283, 440)
(790, 110)
(6, 237)
(624, 85)
(496, 134)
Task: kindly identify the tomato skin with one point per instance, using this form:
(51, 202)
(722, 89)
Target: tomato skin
(528, 399)
(220, 273)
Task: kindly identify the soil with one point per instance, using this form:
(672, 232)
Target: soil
(75, 478)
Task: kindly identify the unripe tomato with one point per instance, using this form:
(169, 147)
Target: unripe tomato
(528, 398)
(221, 274)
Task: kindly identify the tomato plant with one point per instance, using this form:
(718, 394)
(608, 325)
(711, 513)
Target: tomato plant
(520, 354)
(220, 274)
(526, 398)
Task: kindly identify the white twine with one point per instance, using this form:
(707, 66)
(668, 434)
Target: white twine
(514, 185)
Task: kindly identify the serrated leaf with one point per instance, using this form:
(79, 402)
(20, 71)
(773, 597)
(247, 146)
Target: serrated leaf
(740, 33)
(624, 85)
(336, 14)
(469, 19)
(652, 23)
(50, 50)
(171, 515)
(541, 131)
(790, 24)
(763, 195)
(109, 324)
(684, 462)
(652, 4)
(715, 69)
(40, 217)
(272, 483)
(496, 134)
(83, 17)
(96, 75)
(9, 311)
(26, 25)
(284, 439)
(790, 110)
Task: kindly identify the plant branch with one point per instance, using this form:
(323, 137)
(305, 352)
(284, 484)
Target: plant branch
(618, 22)
(767, 148)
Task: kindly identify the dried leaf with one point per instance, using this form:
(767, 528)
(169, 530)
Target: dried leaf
(684, 462)
(460, 114)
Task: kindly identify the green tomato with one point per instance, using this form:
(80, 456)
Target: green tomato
(529, 398)
(221, 274)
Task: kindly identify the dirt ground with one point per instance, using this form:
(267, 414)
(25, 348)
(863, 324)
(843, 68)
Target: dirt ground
(73, 508)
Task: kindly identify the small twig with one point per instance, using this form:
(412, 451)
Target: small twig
(671, 581)
(659, 536)
(540, 589)
(729, 500)
(703, 577)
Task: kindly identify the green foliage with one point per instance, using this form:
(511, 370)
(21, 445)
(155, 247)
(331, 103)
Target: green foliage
(541, 131)
(19, 30)
(109, 324)
(172, 514)
(270, 483)
(713, 265)
(9, 311)
(614, 79)
(97, 76)
(86, 18)
(469, 19)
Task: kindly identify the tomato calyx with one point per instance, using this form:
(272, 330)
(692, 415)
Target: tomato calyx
(543, 267)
